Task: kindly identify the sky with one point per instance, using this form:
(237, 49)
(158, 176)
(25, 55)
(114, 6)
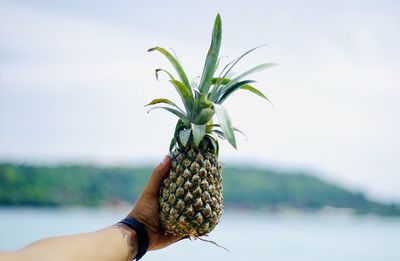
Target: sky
(75, 76)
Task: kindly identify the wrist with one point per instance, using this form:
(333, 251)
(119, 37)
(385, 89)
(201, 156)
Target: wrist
(131, 239)
(148, 224)
(141, 236)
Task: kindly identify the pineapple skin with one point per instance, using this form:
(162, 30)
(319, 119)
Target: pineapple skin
(191, 199)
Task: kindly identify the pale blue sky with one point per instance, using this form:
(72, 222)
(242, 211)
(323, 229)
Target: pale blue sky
(74, 76)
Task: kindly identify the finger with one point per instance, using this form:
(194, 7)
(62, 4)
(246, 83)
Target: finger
(170, 239)
(159, 173)
(185, 237)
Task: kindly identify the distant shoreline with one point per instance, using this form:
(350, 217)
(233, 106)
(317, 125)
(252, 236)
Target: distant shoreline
(245, 189)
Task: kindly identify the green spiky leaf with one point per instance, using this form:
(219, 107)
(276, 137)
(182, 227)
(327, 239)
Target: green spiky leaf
(255, 91)
(241, 132)
(212, 56)
(186, 95)
(223, 81)
(204, 116)
(166, 101)
(216, 82)
(175, 64)
(226, 123)
(184, 136)
(218, 91)
(180, 125)
(194, 83)
(228, 91)
(232, 64)
(214, 142)
(202, 101)
(257, 68)
(172, 144)
(176, 112)
(219, 133)
(171, 77)
(198, 133)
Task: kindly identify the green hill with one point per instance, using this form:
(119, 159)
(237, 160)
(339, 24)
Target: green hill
(26, 185)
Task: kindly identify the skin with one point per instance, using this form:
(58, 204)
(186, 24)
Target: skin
(117, 242)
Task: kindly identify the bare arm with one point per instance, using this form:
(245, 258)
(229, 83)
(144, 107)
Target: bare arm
(112, 243)
(117, 242)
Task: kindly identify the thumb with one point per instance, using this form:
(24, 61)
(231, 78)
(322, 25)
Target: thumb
(159, 174)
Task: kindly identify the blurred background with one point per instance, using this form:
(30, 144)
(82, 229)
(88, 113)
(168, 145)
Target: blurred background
(317, 178)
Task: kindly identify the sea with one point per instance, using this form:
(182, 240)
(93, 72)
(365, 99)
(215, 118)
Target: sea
(247, 235)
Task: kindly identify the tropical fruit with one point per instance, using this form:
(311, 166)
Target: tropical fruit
(191, 200)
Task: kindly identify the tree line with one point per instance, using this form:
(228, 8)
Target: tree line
(244, 187)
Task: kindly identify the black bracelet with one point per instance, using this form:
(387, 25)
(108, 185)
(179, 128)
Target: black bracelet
(142, 236)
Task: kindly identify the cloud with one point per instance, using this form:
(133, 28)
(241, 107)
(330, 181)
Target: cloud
(73, 86)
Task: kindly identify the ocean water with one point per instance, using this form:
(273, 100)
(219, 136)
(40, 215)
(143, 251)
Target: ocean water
(247, 235)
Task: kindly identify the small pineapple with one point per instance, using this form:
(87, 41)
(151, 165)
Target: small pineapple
(191, 196)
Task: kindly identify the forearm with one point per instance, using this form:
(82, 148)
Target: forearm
(113, 243)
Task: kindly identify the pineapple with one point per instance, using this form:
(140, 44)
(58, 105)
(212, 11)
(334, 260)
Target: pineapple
(191, 196)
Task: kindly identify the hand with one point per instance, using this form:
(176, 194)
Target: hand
(147, 208)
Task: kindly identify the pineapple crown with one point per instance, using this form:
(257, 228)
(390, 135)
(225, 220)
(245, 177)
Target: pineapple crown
(204, 100)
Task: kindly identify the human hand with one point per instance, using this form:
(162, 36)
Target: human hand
(147, 208)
